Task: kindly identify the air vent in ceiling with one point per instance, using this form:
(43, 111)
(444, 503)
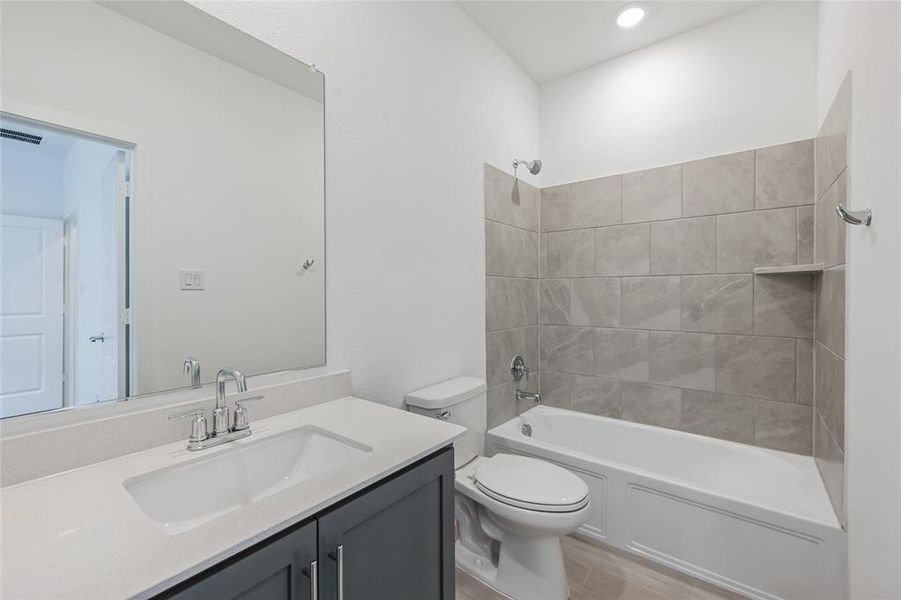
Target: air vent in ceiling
(20, 136)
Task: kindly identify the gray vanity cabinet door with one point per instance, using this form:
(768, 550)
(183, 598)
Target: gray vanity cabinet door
(273, 570)
(396, 541)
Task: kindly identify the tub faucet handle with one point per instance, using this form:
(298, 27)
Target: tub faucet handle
(518, 369)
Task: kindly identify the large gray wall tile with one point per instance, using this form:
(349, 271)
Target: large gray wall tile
(652, 404)
(682, 247)
(510, 251)
(804, 371)
(597, 202)
(555, 300)
(784, 426)
(717, 303)
(829, 229)
(501, 404)
(756, 239)
(805, 234)
(502, 346)
(761, 367)
(831, 463)
(653, 194)
(651, 302)
(555, 208)
(622, 354)
(604, 285)
(570, 253)
(830, 310)
(785, 175)
(510, 302)
(555, 389)
(567, 349)
(596, 301)
(832, 152)
(721, 184)
(683, 359)
(830, 392)
(510, 200)
(623, 250)
(542, 255)
(718, 415)
(597, 396)
(783, 305)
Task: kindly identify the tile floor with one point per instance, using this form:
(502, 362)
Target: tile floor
(603, 573)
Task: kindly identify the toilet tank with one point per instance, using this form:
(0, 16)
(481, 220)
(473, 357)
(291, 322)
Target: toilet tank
(461, 401)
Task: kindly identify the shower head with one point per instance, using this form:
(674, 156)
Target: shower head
(534, 166)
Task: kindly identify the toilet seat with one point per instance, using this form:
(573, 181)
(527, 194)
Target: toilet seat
(530, 484)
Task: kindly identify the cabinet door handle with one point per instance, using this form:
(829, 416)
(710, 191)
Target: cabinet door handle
(313, 575)
(338, 557)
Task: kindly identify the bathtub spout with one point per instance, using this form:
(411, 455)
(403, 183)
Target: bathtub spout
(533, 396)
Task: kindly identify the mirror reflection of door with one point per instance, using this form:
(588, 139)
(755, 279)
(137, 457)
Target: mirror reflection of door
(31, 314)
(64, 275)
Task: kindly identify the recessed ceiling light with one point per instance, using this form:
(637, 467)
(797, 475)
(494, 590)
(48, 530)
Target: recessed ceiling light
(630, 15)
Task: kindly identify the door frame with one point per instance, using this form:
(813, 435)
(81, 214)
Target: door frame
(137, 226)
(70, 307)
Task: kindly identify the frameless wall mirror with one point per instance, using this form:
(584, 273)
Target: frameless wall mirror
(161, 203)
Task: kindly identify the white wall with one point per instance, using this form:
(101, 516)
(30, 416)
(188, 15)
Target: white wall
(863, 37)
(746, 81)
(228, 179)
(31, 182)
(417, 99)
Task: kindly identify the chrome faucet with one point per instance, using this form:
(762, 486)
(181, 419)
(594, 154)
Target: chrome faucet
(518, 370)
(220, 413)
(530, 396)
(191, 367)
(222, 432)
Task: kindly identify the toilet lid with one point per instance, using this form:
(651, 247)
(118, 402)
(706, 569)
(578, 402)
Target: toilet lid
(530, 483)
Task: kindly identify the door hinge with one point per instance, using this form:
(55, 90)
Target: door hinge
(126, 316)
(125, 188)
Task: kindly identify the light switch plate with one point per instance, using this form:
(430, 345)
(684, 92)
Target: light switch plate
(191, 279)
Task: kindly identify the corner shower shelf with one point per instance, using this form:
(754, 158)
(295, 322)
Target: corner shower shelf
(810, 268)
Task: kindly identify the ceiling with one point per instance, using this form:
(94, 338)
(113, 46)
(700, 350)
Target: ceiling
(55, 143)
(553, 39)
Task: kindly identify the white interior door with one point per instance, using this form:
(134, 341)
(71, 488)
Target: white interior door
(31, 314)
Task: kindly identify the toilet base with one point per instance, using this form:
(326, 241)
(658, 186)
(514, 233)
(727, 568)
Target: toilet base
(478, 567)
(532, 571)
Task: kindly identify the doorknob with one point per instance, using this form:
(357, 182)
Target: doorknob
(97, 338)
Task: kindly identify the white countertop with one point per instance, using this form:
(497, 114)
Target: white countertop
(80, 535)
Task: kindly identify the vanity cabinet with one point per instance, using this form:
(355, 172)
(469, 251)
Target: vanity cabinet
(277, 569)
(392, 541)
(395, 542)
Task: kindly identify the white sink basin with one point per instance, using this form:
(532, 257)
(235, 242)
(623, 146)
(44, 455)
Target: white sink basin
(184, 496)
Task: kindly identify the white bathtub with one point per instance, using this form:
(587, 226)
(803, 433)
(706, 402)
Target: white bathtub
(752, 520)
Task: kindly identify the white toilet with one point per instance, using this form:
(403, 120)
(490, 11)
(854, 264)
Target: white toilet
(510, 510)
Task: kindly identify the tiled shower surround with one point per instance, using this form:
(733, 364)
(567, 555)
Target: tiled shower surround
(647, 306)
(511, 287)
(832, 176)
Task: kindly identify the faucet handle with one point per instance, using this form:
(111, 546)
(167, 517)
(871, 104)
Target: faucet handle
(198, 423)
(518, 369)
(241, 421)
